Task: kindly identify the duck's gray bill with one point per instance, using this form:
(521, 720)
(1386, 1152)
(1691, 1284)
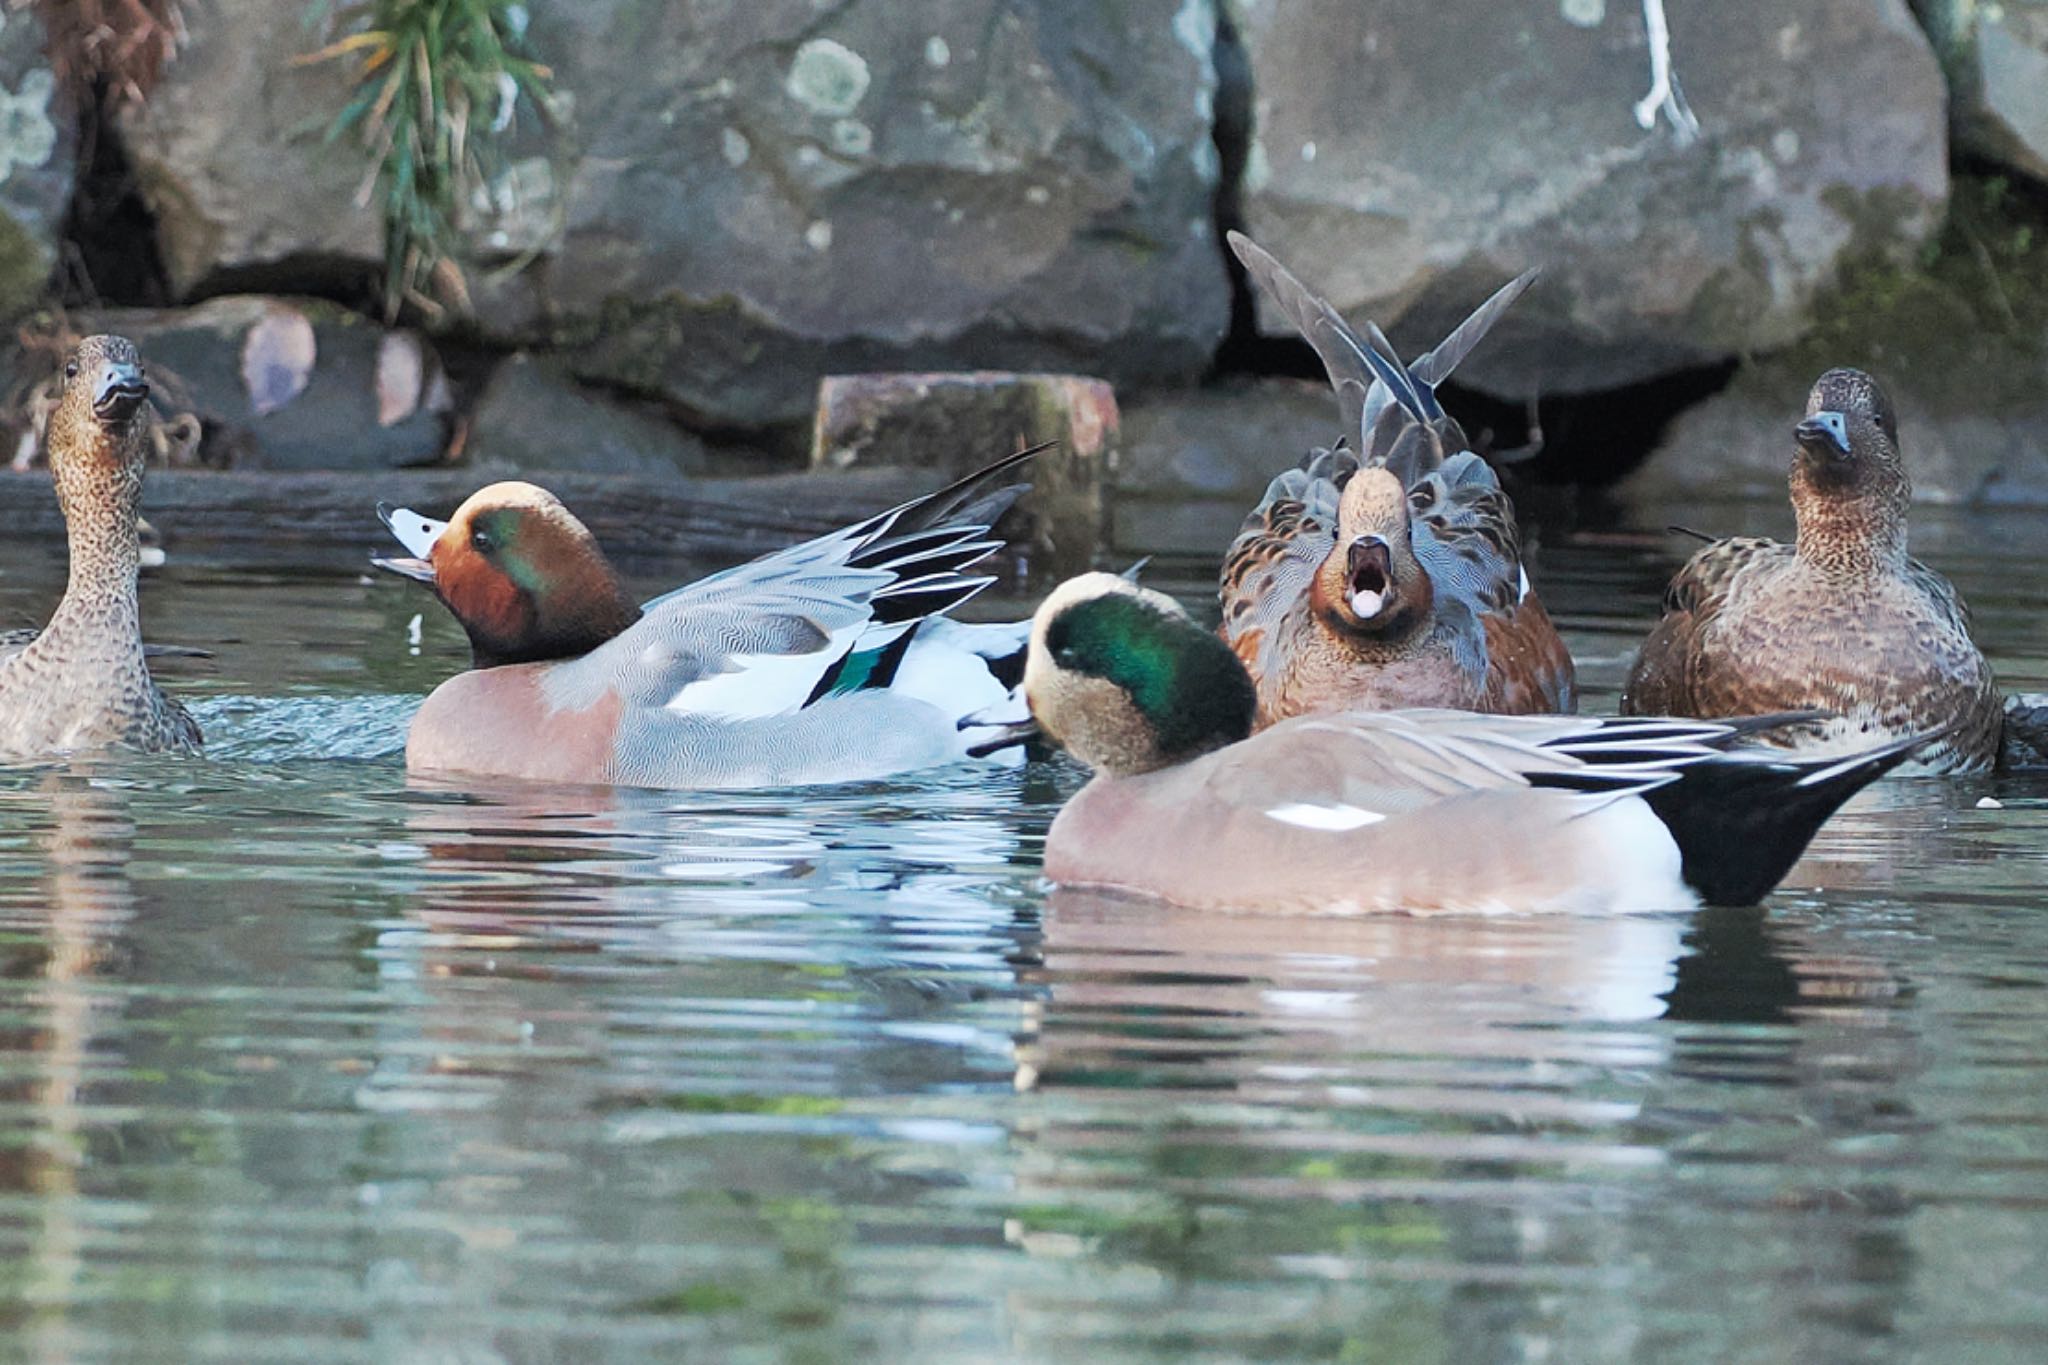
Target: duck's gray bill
(416, 569)
(1000, 737)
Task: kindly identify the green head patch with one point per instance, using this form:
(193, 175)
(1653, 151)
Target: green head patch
(1183, 680)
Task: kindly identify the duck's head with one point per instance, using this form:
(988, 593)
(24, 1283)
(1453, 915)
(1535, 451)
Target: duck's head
(524, 577)
(1848, 444)
(100, 396)
(1118, 676)
(1371, 584)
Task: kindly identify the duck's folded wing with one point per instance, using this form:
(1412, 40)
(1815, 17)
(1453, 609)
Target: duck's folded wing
(1942, 593)
(1349, 770)
(1707, 578)
(12, 642)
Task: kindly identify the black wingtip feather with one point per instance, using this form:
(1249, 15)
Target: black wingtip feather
(1741, 822)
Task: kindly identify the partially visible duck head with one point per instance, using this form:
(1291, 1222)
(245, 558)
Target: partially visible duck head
(1119, 677)
(97, 423)
(1848, 478)
(524, 577)
(1371, 585)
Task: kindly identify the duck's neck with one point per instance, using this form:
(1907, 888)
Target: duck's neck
(101, 500)
(1850, 537)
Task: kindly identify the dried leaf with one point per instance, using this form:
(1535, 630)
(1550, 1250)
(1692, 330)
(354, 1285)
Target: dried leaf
(401, 372)
(277, 358)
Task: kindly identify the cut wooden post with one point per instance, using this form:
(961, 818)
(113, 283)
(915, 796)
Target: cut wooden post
(953, 423)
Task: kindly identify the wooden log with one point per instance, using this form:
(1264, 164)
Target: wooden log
(310, 517)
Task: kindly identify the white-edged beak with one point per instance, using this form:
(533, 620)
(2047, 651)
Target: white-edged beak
(415, 532)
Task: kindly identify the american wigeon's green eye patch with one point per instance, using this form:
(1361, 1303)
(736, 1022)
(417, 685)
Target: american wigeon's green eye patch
(493, 530)
(1183, 680)
(1122, 640)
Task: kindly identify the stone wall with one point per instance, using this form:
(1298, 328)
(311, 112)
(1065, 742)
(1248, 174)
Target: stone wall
(736, 199)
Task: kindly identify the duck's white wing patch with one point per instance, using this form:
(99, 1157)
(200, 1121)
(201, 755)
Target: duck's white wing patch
(1335, 818)
(755, 685)
(1523, 594)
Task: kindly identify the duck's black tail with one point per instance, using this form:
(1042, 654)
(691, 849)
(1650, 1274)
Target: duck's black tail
(1741, 820)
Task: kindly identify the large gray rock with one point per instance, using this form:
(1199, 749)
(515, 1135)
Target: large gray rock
(1996, 57)
(37, 162)
(533, 419)
(230, 149)
(744, 198)
(1408, 159)
(1195, 461)
(787, 191)
(1738, 444)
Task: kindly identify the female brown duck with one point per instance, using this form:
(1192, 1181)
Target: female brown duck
(1842, 620)
(82, 683)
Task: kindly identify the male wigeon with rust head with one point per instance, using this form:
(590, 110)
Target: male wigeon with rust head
(829, 661)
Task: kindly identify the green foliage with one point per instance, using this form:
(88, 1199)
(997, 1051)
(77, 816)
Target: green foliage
(438, 83)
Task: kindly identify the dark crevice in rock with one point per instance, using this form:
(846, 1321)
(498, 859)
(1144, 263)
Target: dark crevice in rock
(107, 252)
(354, 284)
(1587, 439)
(1231, 131)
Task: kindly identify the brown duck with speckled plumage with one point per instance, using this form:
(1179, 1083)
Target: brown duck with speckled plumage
(1842, 620)
(1387, 572)
(83, 684)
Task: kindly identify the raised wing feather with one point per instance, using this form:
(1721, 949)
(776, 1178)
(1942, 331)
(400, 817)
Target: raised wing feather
(1464, 522)
(1269, 565)
(761, 638)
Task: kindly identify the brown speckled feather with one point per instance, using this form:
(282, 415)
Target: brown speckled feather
(1841, 621)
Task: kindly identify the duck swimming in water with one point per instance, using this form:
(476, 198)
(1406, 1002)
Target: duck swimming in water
(1415, 810)
(82, 682)
(1841, 621)
(829, 661)
(1387, 571)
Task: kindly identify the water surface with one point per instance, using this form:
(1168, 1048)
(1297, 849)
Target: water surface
(300, 1060)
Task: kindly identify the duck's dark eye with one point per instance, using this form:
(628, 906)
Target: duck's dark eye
(480, 540)
(71, 369)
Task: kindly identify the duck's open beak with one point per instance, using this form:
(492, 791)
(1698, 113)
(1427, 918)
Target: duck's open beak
(1001, 728)
(121, 391)
(1369, 571)
(417, 534)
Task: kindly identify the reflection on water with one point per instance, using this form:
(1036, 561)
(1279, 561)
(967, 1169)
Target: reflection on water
(301, 1060)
